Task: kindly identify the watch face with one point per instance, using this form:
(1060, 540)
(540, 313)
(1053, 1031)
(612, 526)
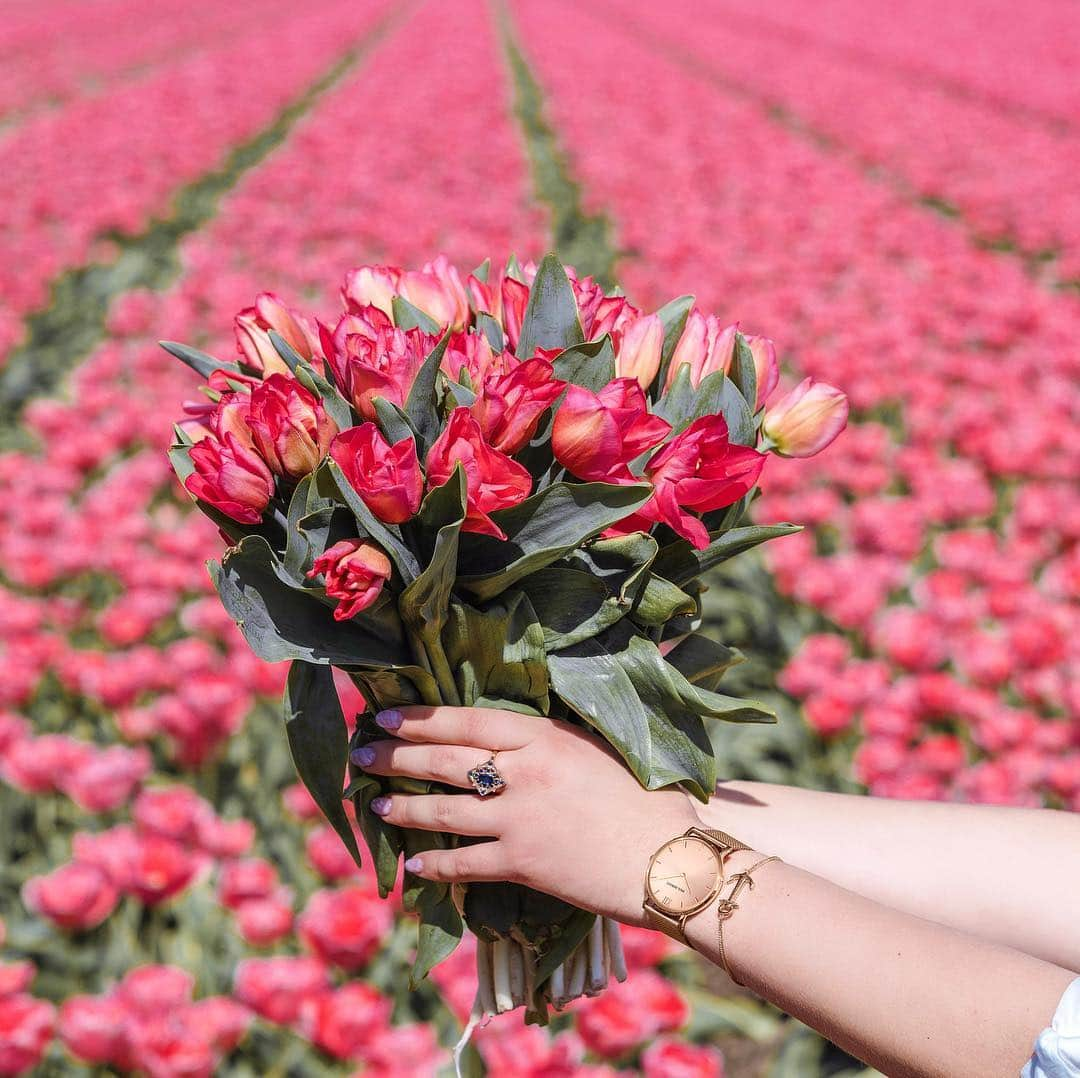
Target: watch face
(684, 875)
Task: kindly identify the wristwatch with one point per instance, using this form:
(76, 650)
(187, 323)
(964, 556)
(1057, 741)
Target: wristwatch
(684, 876)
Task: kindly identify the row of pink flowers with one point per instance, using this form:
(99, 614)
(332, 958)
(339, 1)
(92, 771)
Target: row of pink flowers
(139, 143)
(1009, 176)
(947, 529)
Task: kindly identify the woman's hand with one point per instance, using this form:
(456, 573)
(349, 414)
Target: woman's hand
(572, 821)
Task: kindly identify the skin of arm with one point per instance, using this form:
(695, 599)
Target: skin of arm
(1008, 875)
(910, 996)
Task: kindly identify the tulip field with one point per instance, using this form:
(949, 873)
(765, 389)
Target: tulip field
(901, 220)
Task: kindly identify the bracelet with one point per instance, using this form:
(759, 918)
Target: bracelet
(728, 906)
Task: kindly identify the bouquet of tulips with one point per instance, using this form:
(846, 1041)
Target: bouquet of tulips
(501, 491)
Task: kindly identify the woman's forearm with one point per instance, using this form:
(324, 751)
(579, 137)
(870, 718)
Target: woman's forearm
(979, 869)
(908, 996)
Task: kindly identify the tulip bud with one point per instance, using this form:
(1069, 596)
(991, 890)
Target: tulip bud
(515, 298)
(766, 369)
(705, 347)
(355, 572)
(232, 477)
(807, 419)
(371, 286)
(493, 480)
(252, 328)
(289, 426)
(596, 435)
(387, 477)
(638, 345)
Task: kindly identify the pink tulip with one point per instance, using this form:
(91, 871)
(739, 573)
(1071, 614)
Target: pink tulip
(494, 481)
(252, 329)
(387, 477)
(371, 286)
(638, 345)
(595, 436)
(355, 572)
(766, 368)
(289, 426)
(806, 420)
(705, 347)
(437, 290)
(509, 406)
(232, 477)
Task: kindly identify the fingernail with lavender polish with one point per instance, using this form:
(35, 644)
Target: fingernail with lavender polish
(414, 864)
(380, 805)
(389, 720)
(363, 756)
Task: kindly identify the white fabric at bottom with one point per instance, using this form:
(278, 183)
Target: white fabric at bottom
(1057, 1049)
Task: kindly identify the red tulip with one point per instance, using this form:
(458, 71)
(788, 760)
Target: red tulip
(697, 470)
(510, 405)
(74, 896)
(252, 877)
(343, 1022)
(355, 572)
(262, 921)
(26, 1027)
(345, 925)
(160, 869)
(807, 419)
(596, 435)
(93, 1028)
(289, 426)
(370, 358)
(277, 988)
(473, 352)
(495, 481)
(231, 477)
(252, 328)
(515, 298)
(387, 477)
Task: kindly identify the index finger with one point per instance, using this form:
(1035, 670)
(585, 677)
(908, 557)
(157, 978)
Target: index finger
(479, 727)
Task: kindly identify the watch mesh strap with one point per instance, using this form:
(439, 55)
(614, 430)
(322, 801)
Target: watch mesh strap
(730, 843)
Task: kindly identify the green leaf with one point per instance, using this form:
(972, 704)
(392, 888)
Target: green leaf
(483, 271)
(337, 407)
(492, 330)
(716, 395)
(290, 356)
(660, 601)
(551, 316)
(281, 621)
(743, 372)
(319, 743)
(461, 396)
(592, 683)
(621, 561)
(407, 316)
(673, 316)
(201, 363)
(423, 604)
(383, 840)
(180, 458)
(393, 422)
(573, 932)
(420, 408)
(681, 563)
(591, 364)
(331, 481)
(542, 529)
(440, 931)
(702, 660)
(498, 652)
(570, 605)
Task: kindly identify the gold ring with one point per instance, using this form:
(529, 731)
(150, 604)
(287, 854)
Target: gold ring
(485, 778)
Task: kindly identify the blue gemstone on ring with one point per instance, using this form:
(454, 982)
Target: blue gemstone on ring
(485, 778)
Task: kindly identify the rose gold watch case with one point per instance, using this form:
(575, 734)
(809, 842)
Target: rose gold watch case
(676, 918)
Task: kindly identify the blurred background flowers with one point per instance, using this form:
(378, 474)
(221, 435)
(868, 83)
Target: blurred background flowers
(885, 189)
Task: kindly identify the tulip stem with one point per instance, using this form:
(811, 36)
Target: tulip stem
(440, 668)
